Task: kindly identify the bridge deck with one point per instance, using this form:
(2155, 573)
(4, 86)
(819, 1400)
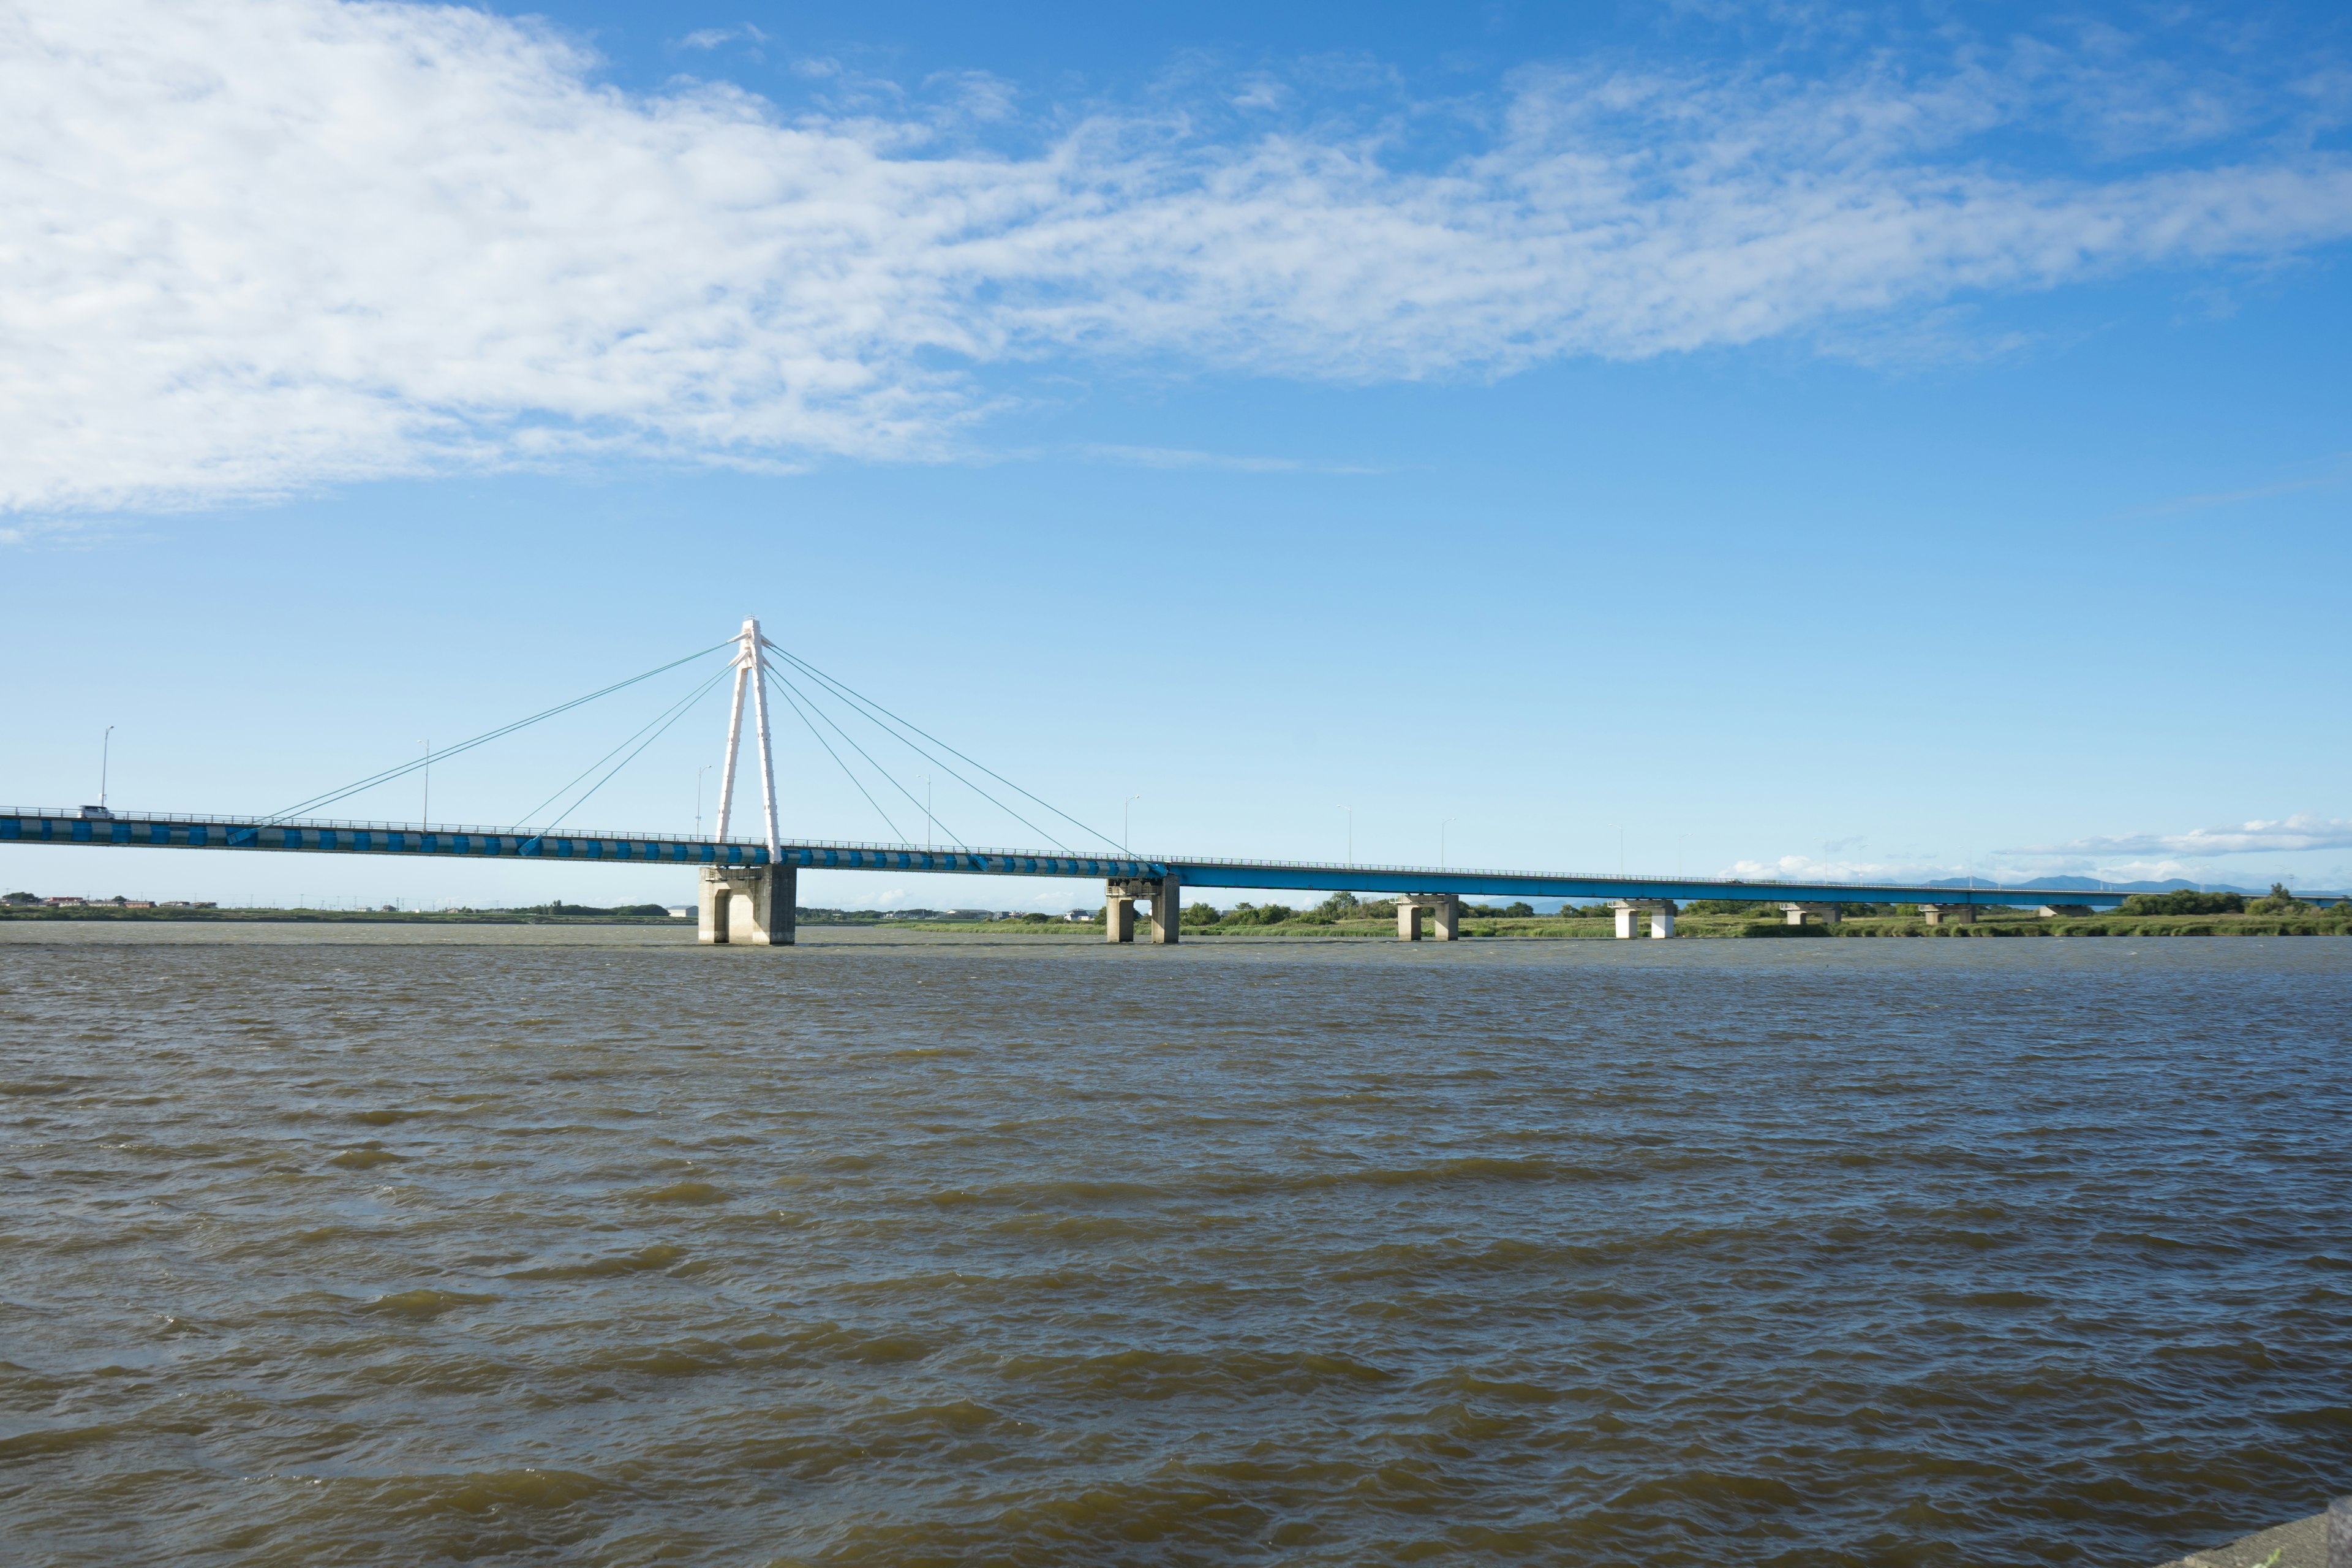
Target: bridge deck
(166, 830)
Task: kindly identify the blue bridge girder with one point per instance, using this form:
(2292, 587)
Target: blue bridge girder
(176, 831)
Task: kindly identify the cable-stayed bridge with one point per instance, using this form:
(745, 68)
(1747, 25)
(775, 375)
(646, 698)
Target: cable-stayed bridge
(750, 885)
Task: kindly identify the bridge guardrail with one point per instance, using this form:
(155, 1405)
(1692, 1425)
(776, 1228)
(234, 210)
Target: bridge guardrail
(1859, 890)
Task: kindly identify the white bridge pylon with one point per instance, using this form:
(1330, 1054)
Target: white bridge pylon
(747, 904)
(747, 672)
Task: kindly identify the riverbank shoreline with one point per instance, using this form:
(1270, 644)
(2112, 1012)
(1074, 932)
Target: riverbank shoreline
(1542, 928)
(2301, 1544)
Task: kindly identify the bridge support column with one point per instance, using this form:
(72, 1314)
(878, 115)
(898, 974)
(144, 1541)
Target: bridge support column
(1444, 916)
(1828, 913)
(1662, 913)
(1949, 914)
(1167, 899)
(1167, 910)
(752, 905)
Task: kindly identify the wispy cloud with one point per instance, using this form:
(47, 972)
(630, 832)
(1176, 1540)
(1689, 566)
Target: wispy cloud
(1808, 869)
(259, 246)
(2234, 497)
(2303, 831)
(1182, 458)
(714, 37)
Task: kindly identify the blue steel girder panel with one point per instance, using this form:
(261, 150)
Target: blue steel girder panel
(1520, 885)
(187, 832)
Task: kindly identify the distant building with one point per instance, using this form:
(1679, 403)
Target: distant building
(681, 914)
(63, 900)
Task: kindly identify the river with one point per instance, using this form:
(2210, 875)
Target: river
(392, 1244)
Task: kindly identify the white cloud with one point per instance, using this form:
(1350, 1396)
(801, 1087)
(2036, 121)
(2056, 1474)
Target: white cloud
(2305, 830)
(1184, 458)
(712, 38)
(1807, 869)
(263, 245)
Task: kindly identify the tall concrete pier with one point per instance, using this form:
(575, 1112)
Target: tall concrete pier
(1165, 896)
(1662, 913)
(1445, 915)
(751, 906)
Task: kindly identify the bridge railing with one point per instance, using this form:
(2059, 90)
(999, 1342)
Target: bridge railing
(357, 824)
(635, 837)
(1857, 890)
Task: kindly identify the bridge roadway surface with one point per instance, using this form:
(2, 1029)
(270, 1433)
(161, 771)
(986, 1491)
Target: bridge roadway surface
(164, 830)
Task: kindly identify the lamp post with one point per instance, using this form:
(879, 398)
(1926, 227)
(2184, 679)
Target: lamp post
(697, 798)
(426, 809)
(1123, 805)
(927, 811)
(1621, 850)
(1351, 831)
(1680, 839)
(1441, 842)
(105, 756)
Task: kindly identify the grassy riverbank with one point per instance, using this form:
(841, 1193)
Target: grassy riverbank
(1548, 928)
(1541, 928)
(558, 915)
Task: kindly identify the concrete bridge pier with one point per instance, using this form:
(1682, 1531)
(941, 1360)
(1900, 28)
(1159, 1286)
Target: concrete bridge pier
(1661, 912)
(752, 905)
(1166, 902)
(1949, 914)
(1828, 914)
(1444, 916)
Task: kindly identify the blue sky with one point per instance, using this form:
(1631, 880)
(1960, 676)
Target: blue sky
(1853, 442)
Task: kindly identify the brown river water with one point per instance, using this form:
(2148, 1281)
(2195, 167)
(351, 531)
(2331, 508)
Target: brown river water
(379, 1245)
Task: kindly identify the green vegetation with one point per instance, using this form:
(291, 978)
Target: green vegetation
(1766, 921)
(2277, 901)
(2183, 913)
(119, 909)
(2185, 902)
(577, 911)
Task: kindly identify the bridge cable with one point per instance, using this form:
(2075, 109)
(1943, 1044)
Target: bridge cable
(951, 772)
(786, 685)
(330, 796)
(785, 692)
(788, 689)
(667, 717)
(854, 697)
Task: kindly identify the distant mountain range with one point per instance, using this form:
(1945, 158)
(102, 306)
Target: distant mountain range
(2089, 885)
